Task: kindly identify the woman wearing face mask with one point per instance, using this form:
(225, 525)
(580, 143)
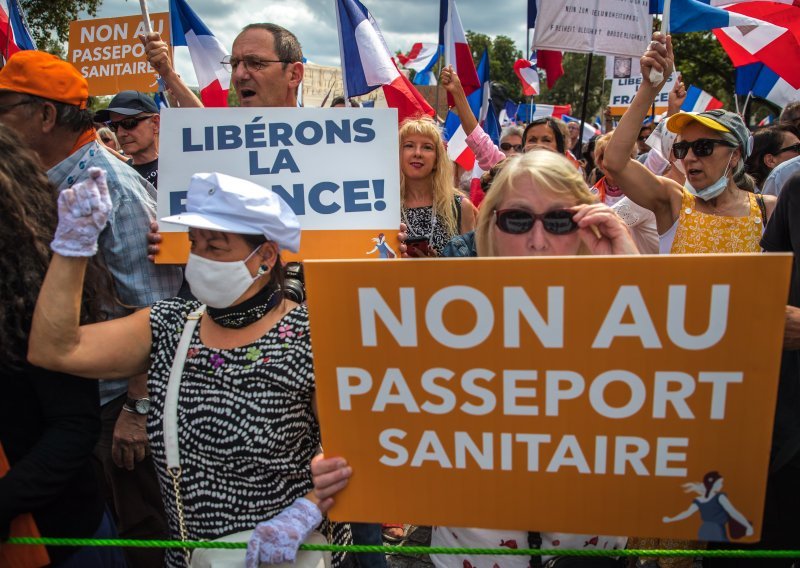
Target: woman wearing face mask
(237, 441)
(538, 205)
(710, 213)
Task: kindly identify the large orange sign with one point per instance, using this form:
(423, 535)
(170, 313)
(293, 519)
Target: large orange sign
(587, 395)
(109, 54)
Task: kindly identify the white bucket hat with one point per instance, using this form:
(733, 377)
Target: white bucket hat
(219, 202)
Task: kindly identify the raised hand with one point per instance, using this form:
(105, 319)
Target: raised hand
(658, 58)
(83, 211)
(602, 231)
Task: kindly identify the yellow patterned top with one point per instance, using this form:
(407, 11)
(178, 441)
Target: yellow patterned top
(704, 233)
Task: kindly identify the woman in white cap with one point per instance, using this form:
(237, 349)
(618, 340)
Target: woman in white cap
(232, 421)
(713, 212)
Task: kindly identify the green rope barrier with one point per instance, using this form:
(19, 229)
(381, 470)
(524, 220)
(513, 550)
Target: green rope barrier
(129, 543)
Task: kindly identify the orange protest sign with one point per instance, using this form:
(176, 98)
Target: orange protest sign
(109, 54)
(583, 395)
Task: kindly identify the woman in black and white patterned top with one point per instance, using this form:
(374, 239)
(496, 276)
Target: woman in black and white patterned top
(246, 426)
(432, 209)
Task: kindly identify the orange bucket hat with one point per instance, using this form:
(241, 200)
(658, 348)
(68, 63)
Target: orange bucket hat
(44, 75)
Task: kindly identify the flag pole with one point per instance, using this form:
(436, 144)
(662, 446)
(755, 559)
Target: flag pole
(148, 29)
(585, 98)
(657, 76)
(746, 102)
(438, 74)
(341, 55)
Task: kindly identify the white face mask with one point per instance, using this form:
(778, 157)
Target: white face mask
(712, 190)
(218, 284)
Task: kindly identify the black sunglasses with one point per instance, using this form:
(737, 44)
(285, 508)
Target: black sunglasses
(519, 221)
(701, 147)
(128, 123)
(505, 147)
(793, 148)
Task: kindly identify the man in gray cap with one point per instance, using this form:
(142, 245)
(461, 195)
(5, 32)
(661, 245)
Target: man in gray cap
(134, 118)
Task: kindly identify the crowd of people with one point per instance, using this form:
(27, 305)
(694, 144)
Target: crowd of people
(155, 401)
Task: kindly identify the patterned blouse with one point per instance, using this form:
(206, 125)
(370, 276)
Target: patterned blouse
(421, 223)
(697, 232)
(246, 427)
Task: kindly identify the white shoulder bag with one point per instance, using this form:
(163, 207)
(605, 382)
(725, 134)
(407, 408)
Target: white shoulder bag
(214, 557)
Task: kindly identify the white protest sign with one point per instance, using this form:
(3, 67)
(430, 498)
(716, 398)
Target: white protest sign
(623, 91)
(608, 27)
(336, 168)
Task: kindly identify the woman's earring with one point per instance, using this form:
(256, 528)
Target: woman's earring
(263, 269)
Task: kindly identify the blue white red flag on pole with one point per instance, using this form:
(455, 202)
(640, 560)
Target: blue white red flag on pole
(367, 62)
(767, 120)
(205, 50)
(697, 100)
(698, 16)
(528, 75)
(529, 112)
(508, 115)
(457, 149)
(422, 58)
(457, 52)
(763, 82)
(14, 34)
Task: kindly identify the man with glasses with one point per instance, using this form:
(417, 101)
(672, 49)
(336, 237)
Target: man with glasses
(45, 100)
(266, 66)
(133, 117)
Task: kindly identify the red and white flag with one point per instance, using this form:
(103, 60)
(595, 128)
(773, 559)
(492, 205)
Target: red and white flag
(457, 52)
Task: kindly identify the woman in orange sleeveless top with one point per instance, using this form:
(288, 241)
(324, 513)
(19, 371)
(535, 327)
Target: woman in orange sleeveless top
(712, 212)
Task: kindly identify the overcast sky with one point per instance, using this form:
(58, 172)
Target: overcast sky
(403, 22)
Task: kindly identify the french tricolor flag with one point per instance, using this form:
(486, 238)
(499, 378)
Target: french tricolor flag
(763, 82)
(697, 100)
(422, 58)
(14, 34)
(528, 75)
(457, 149)
(456, 49)
(367, 62)
(205, 50)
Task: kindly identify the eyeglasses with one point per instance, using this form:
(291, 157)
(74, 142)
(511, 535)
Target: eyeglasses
(793, 148)
(505, 147)
(7, 108)
(128, 123)
(642, 138)
(701, 147)
(251, 64)
(519, 221)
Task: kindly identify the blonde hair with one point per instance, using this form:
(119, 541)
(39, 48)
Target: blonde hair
(443, 192)
(547, 171)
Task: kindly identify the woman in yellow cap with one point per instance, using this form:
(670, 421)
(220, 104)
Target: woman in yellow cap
(715, 211)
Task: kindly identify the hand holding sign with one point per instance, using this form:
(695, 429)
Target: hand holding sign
(658, 59)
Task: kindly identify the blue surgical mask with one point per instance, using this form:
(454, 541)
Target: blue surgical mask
(713, 190)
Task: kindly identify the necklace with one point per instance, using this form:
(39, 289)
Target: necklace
(412, 230)
(248, 312)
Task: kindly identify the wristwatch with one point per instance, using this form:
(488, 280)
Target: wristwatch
(140, 406)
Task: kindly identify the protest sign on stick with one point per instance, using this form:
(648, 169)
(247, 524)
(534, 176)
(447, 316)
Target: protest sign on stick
(623, 91)
(504, 393)
(336, 168)
(108, 52)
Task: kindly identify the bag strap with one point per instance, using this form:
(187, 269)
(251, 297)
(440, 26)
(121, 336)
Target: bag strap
(173, 388)
(763, 208)
(457, 206)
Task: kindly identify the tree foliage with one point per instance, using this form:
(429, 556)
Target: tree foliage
(502, 55)
(48, 20)
(703, 62)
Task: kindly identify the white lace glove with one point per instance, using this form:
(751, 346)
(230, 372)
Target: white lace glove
(82, 214)
(278, 539)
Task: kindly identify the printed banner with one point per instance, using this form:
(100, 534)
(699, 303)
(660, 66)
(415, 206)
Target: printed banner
(336, 168)
(512, 394)
(109, 54)
(623, 91)
(607, 27)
